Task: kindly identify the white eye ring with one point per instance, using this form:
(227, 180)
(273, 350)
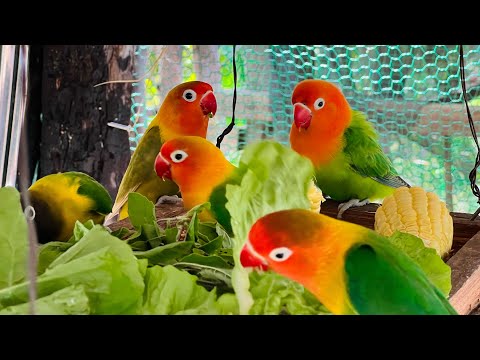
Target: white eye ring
(178, 156)
(280, 254)
(189, 95)
(319, 103)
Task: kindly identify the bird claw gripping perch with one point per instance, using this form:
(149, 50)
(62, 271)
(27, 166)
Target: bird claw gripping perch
(167, 199)
(349, 204)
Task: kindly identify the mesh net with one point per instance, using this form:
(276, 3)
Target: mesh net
(411, 93)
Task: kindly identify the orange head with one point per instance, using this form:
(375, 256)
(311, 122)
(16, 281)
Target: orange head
(186, 110)
(321, 114)
(195, 164)
(284, 241)
(320, 106)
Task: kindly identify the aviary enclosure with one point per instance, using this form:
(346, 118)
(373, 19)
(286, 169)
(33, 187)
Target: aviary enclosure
(88, 106)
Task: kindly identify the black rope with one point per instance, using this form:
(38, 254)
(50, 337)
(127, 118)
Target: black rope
(473, 174)
(232, 123)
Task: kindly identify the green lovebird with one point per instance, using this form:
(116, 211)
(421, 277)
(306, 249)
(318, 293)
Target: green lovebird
(203, 173)
(349, 268)
(343, 146)
(186, 110)
(59, 200)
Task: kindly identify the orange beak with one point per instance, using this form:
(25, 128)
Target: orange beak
(162, 167)
(208, 104)
(249, 259)
(302, 116)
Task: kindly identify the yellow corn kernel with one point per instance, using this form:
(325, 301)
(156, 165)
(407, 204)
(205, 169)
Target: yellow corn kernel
(417, 212)
(315, 196)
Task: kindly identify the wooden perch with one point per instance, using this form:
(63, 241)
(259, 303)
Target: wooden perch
(465, 265)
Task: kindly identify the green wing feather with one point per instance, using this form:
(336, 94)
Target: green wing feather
(383, 281)
(94, 190)
(141, 169)
(218, 199)
(366, 156)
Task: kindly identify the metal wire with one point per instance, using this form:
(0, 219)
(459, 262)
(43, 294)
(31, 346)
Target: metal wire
(473, 174)
(232, 123)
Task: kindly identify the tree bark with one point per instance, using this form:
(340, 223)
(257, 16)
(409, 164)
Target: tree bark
(75, 135)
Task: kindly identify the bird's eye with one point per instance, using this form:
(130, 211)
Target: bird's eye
(189, 95)
(280, 254)
(178, 156)
(319, 103)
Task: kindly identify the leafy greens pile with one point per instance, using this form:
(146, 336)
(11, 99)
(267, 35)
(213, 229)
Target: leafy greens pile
(95, 272)
(185, 267)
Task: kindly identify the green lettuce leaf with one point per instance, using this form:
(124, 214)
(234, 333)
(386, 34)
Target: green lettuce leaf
(170, 291)
(166, 254)
(227, 304)
(122, 233)
(267, 184)
(13, 238)
(274, 294)
(80, 230)
(49, 252)
(210, 260)
(102, 263)
(427, 258)
(140, 210)
(71, 300)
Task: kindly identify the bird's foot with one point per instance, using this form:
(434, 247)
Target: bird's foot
(351, 203)
(168, 199)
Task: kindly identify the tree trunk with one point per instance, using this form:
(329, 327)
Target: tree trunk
(75, 135)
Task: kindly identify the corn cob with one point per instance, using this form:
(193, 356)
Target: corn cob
(417, 212)
(315, 196)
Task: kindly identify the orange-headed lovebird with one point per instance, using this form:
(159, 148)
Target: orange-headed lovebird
(185, 111)
(201, 171)
(349, 268)
(350, 165)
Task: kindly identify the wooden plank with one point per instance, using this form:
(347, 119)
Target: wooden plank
(465, 265)
(476, 311)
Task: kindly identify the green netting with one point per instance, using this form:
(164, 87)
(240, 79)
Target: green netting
(412, 94)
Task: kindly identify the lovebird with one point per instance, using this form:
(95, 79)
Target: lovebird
(186, 110)
(350, 165)
(349, 268)
(202, 173)
(59, 200)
